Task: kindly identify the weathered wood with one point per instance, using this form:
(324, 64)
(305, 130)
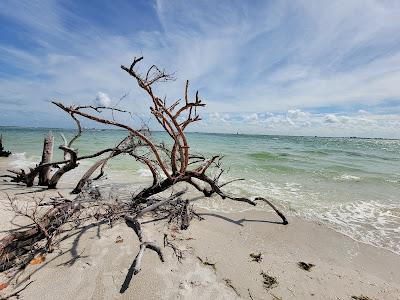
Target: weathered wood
(86, 176)
(168, 167)
(185, 216)
(28, 178)
(3, 153)
(122, 146)
(17, 245)
(278, 212)
(135, 267)
(47, 156)
(72, 164)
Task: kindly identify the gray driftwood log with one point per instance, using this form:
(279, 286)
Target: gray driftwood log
(47, 156)
(3, 153)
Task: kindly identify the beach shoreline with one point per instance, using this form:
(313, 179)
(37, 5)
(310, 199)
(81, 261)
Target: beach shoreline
(343, 267)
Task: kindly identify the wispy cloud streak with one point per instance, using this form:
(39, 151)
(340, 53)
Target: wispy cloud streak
(270, 57)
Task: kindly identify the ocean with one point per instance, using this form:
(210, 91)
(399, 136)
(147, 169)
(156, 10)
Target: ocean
(351, 185)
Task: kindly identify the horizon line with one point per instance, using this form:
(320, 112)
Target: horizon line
(204, 132)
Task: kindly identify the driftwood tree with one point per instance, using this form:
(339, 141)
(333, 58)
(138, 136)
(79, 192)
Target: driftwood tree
(71, 160)
(43, 169)
(168, 166)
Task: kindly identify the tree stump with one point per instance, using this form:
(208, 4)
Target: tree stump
(47, 156)
(3, 153)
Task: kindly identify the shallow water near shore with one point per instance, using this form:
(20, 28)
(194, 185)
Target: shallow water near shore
(350, 184)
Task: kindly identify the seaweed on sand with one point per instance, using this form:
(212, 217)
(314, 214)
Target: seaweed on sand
(305, 266)
(256, 257)
(207, 263)
(269, 281)
(360, 297)
(228, 282)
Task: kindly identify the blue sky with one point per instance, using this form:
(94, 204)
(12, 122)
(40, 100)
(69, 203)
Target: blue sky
(267, 67)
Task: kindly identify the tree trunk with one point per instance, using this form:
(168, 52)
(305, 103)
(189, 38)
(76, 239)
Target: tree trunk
(47, 156)
(2, 152)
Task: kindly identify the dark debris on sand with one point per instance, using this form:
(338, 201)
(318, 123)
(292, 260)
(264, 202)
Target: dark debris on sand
(269, 281)
(305, 266)
(360, 297)
(256, 257)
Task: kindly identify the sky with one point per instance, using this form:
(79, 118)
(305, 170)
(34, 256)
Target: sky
(327, 68)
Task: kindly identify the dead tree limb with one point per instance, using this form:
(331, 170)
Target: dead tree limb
(72, 164)
(138, 259)
(18, 248)
(87, 175)
(123, 146)
(174, 119)
(279, 213)
(136, 264)
(22, 176)
(132, 222)
(168, 165)
(68, 164)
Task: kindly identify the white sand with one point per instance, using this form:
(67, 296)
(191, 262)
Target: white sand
(343, 267)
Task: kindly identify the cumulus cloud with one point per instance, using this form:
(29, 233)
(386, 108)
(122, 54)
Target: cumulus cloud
(306, 123)
(331, 118)
(297, 114)
(102, 99)
(252, 118)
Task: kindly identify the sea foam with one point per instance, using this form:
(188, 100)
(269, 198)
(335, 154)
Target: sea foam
(20, 161)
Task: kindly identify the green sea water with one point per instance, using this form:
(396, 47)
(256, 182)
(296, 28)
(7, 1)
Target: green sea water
(349, 184)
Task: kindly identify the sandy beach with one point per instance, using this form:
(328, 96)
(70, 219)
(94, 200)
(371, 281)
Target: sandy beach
(193, 149)
(93, 262)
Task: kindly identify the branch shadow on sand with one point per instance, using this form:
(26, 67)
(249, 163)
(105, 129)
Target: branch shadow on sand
(130, 274)
(77, 234)
(128, 278)
(240, 221)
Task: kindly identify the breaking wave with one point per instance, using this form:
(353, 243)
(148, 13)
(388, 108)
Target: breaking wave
(20, 161)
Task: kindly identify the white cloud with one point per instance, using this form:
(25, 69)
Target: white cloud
(252, 118)
(331, 118)
(356, 124)
(102, 99)
(297, 114)
(268, 56)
